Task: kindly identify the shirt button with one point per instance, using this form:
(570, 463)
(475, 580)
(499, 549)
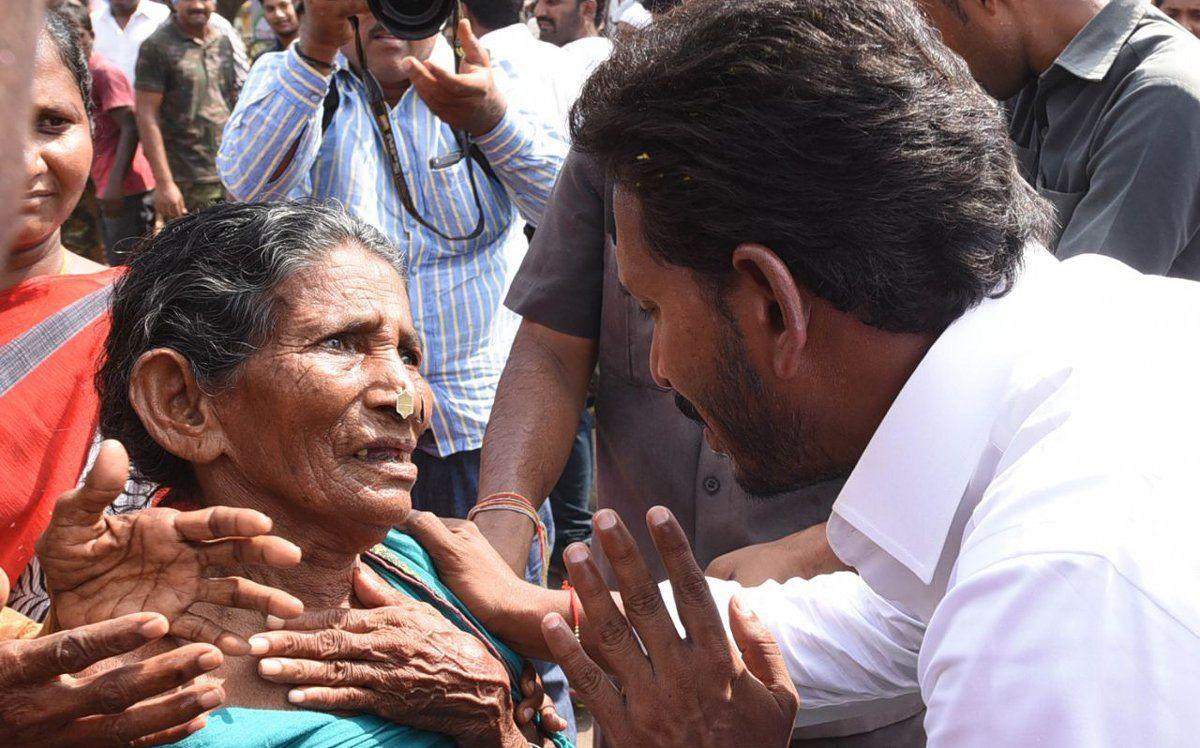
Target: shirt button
(314, 98)
(712, 485)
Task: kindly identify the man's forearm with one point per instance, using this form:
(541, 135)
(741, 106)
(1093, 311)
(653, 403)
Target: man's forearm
(152, 146)
(533, 423)
(126, 148)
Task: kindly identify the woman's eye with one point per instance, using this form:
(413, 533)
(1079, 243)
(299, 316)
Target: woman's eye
(336, 343)
(409, 358)
(53, 124)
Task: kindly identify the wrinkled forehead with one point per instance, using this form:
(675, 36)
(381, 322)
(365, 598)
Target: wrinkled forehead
(347, 282)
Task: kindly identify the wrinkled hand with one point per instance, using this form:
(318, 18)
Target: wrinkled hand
(151, 703)
(404, 663)
(693, 691)
(468, 100)
(100, 566)
(803, 554)
(468, 564)
(168, 201)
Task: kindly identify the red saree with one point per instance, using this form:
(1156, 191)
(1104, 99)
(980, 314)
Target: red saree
(52, 330)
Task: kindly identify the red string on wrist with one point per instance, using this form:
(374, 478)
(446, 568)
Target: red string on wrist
(574, 608)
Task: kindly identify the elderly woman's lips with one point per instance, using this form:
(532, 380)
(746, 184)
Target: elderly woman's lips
(382, 454)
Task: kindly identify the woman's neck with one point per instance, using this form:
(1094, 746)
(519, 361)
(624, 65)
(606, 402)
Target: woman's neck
(47, 257)
(324, 578)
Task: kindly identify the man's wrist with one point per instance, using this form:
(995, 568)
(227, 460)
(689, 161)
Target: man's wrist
(320, 56)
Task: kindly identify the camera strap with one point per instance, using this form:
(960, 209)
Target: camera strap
(379, 110)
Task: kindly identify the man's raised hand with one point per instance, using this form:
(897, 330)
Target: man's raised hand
(697, 690)
(467, 100)
(100, 566)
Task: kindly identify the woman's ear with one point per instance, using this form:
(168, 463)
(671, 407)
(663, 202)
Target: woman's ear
(781, 306)
(174, 410)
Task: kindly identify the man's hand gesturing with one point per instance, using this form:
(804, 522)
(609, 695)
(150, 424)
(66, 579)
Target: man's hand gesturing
(468, 100)
(101, 566)
(698, 691)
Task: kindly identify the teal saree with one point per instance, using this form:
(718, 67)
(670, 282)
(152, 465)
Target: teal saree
(405, 566)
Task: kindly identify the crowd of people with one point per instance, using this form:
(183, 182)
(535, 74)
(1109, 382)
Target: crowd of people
(835, 356)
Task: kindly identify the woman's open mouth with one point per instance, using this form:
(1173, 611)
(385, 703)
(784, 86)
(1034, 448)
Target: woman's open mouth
(393, 458)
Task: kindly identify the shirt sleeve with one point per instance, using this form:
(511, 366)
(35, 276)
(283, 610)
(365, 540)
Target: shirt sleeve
(561, 281)
(281, 105)
(1056, 649)
(526, 150)
(112, 89)
(1142, 205)
(152, 68)
(843, 643)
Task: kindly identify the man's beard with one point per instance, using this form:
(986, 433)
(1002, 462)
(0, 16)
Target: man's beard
(772, 451)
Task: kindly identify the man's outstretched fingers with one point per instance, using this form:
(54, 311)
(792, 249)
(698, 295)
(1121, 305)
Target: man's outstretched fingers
(762, 655)
(585, 676)
(693, 599)
(618, 647)
(644, 606)
(71, 651)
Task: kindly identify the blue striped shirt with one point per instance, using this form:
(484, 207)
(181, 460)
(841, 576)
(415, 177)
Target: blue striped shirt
(456, 287)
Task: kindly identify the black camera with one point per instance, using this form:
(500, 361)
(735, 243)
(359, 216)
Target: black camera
(412, 19)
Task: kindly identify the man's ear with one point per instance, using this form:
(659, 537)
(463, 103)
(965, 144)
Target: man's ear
(174, 410)
(777, 302)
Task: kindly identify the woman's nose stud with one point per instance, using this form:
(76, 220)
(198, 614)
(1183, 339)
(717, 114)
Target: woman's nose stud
(405, 403)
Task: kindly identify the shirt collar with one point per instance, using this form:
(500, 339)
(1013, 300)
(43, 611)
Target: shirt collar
(908, 484)
(1092, 52)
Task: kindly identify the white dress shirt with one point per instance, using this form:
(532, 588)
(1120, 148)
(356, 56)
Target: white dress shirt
(1024, 523)
(583, 57)
(121, 45)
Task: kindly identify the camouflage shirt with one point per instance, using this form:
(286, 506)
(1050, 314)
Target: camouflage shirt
(198, 81)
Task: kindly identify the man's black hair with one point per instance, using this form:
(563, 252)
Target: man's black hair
(495, 14)
(845, 136)
(63, 33)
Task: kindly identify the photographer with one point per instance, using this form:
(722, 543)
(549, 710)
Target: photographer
(304, 127)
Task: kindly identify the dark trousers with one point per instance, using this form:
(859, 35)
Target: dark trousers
(121, 233)
(570, 501)
(448, 487)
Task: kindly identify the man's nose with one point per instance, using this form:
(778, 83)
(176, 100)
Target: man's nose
(656, 369)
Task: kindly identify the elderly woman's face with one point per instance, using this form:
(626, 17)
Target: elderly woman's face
(311, 418)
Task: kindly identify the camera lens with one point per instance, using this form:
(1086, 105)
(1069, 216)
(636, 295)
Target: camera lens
(412, 19)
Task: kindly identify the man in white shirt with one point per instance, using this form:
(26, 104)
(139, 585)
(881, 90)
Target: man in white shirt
(572, 26)
(122, 26)
(821, 212)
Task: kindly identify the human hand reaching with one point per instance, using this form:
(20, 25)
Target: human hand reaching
(100, 566)
(153, 702)
(467, 100)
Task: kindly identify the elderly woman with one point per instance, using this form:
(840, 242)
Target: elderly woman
(264, 357)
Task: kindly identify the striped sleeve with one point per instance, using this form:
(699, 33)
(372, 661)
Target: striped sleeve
(280, 105)
(526, 152)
